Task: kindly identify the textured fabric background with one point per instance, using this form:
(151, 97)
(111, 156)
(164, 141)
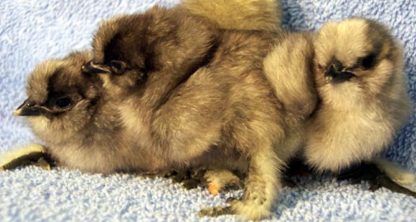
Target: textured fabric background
(34, 30)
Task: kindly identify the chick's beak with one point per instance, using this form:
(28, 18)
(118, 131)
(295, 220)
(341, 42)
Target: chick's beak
(337, 73)
(28, 108)
(93, 68)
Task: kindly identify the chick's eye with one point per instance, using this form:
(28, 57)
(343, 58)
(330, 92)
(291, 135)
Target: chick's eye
(63, 102)
(117, 66)
(368, 61)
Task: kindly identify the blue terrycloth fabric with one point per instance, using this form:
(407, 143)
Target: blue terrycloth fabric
(31, 31)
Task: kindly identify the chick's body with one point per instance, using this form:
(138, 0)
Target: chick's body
(203, 101)
(173, 92)
(91, 136)
(262, 15)
(347, 118)
(168, 90)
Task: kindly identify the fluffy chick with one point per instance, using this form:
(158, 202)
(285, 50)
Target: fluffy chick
(356, 70)
(347, 82)
(262, 15)
(60, 101)
(68, 111)
(358, 73)
(299, 67)
(197, 96)
(290, 69)
(292, 80)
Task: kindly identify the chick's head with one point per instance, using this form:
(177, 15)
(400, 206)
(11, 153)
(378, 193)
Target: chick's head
(61, 99)
(354, 58)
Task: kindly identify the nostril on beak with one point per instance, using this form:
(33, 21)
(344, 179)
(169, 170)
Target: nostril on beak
(337, 65)
(334, 69)
(28, 108)
(337, 73)
(93, 68)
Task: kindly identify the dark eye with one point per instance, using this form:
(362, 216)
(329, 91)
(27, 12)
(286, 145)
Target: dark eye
(368, 61)
(63, 102)
(118, 67)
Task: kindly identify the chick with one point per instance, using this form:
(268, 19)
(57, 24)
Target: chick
(358, 73)
(292, 80)
(261, 15)
(197, 96)
(55, 108)
(355, 67)
(67, 110)
(291, 71)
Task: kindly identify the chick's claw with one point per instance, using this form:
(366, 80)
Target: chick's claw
(220, 180)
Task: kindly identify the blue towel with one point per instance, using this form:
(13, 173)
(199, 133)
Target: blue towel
(32, 31)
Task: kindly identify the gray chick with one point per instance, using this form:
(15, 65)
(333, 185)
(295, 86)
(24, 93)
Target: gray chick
(197, 96)
(68, 111)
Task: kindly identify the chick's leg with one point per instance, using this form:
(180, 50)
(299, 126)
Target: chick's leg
(261, 187)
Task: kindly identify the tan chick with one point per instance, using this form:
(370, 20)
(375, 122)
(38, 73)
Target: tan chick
(197, 97)
(380, 105)
(358, 72)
